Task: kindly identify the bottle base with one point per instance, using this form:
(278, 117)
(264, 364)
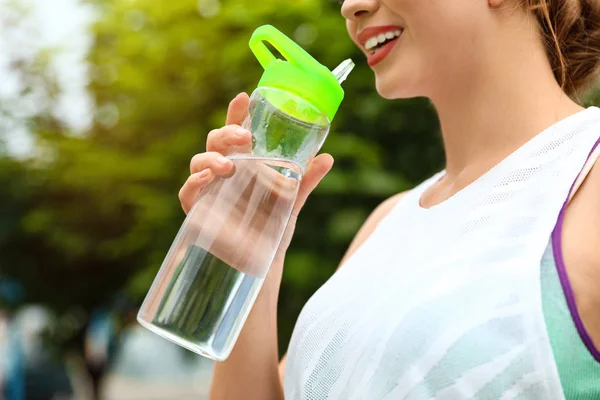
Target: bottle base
(202, 351)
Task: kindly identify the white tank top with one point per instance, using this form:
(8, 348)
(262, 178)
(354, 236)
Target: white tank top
(445, 302)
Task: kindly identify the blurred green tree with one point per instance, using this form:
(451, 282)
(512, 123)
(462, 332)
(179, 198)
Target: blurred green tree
(94, 215)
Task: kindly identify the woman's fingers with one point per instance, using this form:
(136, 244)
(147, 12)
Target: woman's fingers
(318, 168)
(190, 189)
(232, 138)
(219, 164)
(229, 139)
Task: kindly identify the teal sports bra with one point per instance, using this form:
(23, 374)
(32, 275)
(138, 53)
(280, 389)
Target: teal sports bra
(577, 360)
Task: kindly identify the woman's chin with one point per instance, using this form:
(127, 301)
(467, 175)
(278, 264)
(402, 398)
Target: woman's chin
(388, 95)
(392, 88)
(395, 92)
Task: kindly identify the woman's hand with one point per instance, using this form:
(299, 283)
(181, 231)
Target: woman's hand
(232, 138)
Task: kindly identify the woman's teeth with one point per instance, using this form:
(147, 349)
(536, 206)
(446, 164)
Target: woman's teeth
(377, 41)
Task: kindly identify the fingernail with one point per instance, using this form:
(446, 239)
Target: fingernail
(203, 174)
(222, 160)
(241, 132)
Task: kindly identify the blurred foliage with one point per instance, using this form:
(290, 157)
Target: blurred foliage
(90, 218)
(95, 215)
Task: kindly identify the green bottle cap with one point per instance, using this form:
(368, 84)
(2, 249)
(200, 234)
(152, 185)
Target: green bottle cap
(299, 74)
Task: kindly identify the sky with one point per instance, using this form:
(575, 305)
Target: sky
(33, 30)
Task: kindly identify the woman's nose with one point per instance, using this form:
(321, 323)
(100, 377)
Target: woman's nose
(354, 9)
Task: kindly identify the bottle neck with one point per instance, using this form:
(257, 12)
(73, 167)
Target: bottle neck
(278, 133)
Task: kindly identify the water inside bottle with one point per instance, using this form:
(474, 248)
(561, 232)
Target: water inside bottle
(216, 267)
(278, 134)
(205, 305)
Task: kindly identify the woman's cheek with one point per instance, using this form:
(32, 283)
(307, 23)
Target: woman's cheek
(351, 28)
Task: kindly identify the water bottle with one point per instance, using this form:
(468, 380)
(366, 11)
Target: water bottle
(215, 268)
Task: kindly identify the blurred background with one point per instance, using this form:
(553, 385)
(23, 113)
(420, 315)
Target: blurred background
(102, 105)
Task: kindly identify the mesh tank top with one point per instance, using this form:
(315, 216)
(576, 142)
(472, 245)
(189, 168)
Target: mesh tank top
(445, 302)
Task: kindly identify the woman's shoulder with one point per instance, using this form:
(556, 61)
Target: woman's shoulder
(371, 223)
(383, 210)
(581, 250)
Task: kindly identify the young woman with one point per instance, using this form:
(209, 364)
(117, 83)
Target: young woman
(484, 281)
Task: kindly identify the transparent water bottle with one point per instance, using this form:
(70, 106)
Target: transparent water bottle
(215, 268)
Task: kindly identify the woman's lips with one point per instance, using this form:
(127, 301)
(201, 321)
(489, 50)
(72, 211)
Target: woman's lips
(382, 52)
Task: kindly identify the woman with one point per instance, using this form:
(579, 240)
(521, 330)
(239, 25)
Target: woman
(477, 283)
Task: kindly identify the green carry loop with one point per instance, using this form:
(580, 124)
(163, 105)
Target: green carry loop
(299, 74)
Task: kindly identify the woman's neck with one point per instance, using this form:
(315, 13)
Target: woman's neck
(509, 102)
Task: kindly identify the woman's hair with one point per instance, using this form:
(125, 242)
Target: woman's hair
(571, 32)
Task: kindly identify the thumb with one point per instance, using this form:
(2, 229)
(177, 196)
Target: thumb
(317, 169)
